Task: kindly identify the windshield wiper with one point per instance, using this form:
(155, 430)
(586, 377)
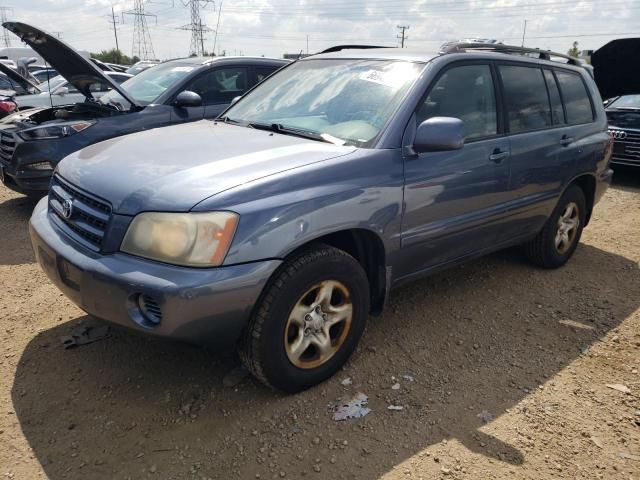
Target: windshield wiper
(633, 109)
(279, 128)
(232, 121)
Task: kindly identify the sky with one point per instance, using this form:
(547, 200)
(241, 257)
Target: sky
(273, 27)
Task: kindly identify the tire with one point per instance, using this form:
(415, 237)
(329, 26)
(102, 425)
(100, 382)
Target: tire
(273, 346)
(543, 250)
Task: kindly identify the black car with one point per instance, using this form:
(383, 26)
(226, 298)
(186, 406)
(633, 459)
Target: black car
(623, 114)
(32, 142)
(616, 74)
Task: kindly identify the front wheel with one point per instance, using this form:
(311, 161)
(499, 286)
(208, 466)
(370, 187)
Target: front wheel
(309, 320)
(559, 237)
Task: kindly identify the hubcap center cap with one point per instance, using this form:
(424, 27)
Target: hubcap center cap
(315, 319)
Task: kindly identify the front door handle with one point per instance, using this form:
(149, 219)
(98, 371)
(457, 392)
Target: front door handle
(566, 140)
(498, 156)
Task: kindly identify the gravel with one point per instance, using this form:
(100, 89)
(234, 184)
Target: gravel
(532, 350)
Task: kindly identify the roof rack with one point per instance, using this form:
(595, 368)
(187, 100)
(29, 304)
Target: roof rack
(339, 48)
(461, 47)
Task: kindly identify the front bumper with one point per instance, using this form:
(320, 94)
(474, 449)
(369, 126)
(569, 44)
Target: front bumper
(207, 306)
(32, 183)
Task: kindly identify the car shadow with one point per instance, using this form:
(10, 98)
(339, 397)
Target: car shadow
(14, 230)
(626, 178)
(465, 345)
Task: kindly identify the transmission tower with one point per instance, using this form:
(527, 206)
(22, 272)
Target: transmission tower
(142, 46)
(6, 39)
(196, 27)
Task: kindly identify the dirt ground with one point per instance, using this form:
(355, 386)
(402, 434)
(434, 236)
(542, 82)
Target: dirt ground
(502, 371)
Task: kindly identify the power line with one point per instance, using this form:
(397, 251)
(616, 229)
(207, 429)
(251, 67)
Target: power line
(402, 37)
(142, 46)
(6, 39)
(196, 27)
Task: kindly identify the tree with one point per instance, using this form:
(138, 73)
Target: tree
(115, 56)
(574, 51)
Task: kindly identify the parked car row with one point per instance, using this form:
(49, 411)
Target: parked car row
(278, 221)
(85, 105)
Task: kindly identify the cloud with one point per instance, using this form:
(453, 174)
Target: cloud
(273, 27)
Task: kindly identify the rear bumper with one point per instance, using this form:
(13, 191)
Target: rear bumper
(206, 306)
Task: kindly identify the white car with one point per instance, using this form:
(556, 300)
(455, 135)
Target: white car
(64, 93)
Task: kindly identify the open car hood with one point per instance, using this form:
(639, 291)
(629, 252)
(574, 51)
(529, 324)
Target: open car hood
(19, 79)
(81, 73)
(616, 67)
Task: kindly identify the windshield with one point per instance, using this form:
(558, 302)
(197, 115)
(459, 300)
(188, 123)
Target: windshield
(626, 101)
(351, 100)
(148, 85)
(52, 84)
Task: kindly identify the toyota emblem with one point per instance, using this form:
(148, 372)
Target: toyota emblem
(67, 208)
(618, 134)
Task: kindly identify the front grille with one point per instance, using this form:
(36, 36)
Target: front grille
(7, 145)
(626, 147)
(82, 216)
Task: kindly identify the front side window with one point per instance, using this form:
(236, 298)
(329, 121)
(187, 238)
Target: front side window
(220, 85)
(351, 100)
(526, 98)
(576, 98)
(466, 93)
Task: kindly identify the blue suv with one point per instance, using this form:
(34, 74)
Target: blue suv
(279, 227)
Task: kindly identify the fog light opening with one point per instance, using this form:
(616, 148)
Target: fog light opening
(150, 309)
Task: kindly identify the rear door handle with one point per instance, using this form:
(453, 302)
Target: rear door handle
(498, 156)
(566, 140)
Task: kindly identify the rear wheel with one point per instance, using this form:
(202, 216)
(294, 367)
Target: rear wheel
(309, 320)
(558, 239)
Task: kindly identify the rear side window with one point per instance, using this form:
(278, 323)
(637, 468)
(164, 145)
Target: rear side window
(576, 98)
(466, 93)
(220, 85)
(557, 111)
(264, 72)
(526, 98)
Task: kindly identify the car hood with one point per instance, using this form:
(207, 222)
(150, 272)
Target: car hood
(19, 79)
(616, 67)
(174, 168)
(623, 119)
(80, 72)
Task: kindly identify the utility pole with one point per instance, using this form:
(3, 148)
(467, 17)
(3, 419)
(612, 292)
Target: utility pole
(402, 37)
(196, 27)
(142, 46)
(215, 38)
(6, 39)
(114, 22)
(524, 32)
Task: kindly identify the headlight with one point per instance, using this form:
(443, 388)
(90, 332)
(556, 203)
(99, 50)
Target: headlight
(190, 239)
(57, 130)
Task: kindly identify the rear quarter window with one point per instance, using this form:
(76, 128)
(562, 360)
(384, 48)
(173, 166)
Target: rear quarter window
(576, 98)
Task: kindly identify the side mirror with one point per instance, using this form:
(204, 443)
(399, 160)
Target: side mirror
(187, 98)
(62, 91)
(235, 99)
(439, 134)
